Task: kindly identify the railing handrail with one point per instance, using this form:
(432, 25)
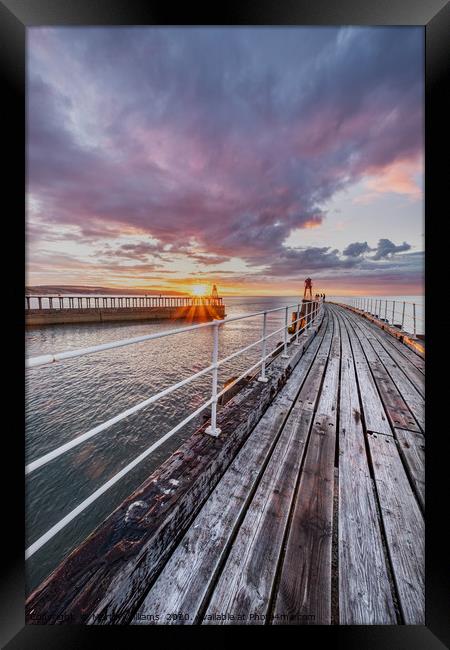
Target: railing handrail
(33, 362)
(116, 301)
(377, 298)
(309, 318)
(389, 310)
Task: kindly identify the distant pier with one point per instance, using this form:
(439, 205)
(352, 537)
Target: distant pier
(59, 310)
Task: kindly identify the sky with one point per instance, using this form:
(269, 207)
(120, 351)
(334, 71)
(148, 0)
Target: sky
(159, 158)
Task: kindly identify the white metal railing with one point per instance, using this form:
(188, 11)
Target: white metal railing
(58, 302)
(314, 311)
(398, 313)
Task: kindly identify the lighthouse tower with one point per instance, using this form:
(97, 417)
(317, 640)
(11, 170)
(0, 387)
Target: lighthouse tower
(214, 293)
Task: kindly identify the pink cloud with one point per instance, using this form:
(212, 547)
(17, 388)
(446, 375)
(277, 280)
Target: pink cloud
(399, 177)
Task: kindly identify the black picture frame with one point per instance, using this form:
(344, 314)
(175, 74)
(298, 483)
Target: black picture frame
(15, 17)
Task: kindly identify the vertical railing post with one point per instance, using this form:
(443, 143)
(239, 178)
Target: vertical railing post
(297, 325)
(285, 354)
(393, 311)
(385, 310)
(40, 302)
(403, 315)
(213, 430)
(262, 377)
(414, 319)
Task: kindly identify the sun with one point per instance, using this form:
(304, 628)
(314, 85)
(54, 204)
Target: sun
(199, 290)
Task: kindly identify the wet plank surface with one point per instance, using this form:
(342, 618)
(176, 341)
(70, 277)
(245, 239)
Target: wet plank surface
(320, 517)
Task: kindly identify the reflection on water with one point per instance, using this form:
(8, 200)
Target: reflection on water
(66, 399)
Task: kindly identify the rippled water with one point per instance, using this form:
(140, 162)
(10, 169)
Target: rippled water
(68, 398)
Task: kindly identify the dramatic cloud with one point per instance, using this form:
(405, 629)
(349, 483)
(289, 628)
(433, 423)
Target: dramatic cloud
(356, 249)
(386, 248)
(318, 260)
(217, 143)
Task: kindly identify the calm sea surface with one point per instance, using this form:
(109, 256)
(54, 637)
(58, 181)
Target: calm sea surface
(68, 398)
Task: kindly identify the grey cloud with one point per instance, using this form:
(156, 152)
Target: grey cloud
(356, 249)
(386, 248)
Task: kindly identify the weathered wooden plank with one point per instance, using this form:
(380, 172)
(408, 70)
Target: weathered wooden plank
(403, 525)
(375, 418)
(406, 346)
(403, 396)
(415, 359)
(412, 449)
(410, 395)
(186, 579)
(365, 596)
(105, 578)
(390, 354)
(183, 585)
(243, 590)
(304, 590)
(404, 338)
(395, 406)
(308, 396)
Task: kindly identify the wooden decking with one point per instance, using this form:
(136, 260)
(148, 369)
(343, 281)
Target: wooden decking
(319, 518)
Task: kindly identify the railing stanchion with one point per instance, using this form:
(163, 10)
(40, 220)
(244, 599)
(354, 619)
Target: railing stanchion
(393, 311)
(414, 319)
(213, 429)
(262, 377)
(385, 310)
(285, 353)
(297, 325)
(403, 315)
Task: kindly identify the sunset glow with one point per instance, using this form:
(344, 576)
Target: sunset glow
(199, 290)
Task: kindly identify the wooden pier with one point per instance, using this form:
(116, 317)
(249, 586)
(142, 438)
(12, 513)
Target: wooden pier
(307, 509)
(59, 310)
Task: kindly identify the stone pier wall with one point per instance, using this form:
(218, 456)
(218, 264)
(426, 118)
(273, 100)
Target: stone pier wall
(199, 313)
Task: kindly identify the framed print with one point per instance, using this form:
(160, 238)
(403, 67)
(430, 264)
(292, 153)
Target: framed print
(228, 266)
